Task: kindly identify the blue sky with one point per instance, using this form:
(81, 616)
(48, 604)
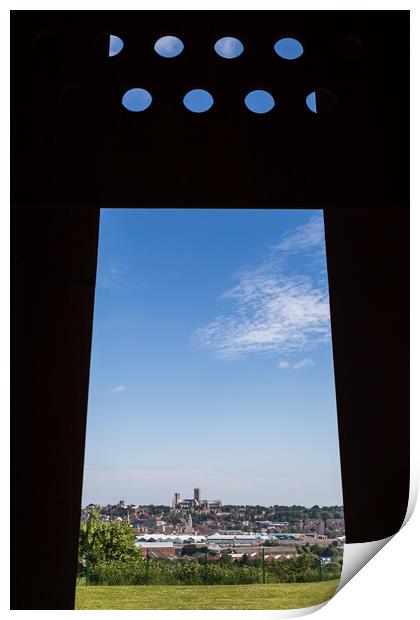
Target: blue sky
(211, 359)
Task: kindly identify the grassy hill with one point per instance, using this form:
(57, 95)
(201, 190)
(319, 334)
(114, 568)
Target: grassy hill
(256, 596)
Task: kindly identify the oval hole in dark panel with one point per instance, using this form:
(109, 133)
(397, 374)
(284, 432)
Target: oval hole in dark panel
(198, 100)
(116, 45)
(169, 46)
(321, 101)
(288, 48)
(228, 47)
(350, 47)
(136, 99)
(259, 101)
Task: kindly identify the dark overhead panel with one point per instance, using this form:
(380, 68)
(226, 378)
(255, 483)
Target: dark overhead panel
(336, 138)
(76, 144)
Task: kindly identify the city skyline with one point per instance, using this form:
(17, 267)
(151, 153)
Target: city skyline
(178, 497)
(169, 504)
(211, 359)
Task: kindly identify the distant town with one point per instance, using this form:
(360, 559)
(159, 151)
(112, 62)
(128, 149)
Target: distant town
(189, 526)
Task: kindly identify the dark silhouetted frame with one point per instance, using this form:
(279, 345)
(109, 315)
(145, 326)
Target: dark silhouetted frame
(76, 150)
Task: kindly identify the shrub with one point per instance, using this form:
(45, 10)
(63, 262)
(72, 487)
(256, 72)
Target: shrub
(133, 571)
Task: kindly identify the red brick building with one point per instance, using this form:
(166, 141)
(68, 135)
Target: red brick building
(157, 549)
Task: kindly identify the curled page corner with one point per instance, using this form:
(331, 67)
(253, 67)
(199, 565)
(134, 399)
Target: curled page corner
(296, 613)
(357, 555)
(414, 491)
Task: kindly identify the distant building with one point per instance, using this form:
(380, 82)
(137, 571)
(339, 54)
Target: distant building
(314, 525)
(156, 549)
(316, 536)
(335, 524)
(189, 527)
(280, 552)
(187, 504)
(184, 539)
(234, 540)
(195, 503)
(148, 523)
(287, 536)
(273, 523)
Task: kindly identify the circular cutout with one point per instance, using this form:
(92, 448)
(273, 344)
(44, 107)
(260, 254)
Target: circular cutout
(198, 100)
(115, 45)
(321, 101)
(71, 97)
(136, 99)
(259, 101)
(228, 47)
(45, 42)
(288, 48)
(169, 46)
(351, 47)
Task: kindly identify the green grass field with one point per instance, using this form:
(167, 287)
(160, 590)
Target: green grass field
(258, 596)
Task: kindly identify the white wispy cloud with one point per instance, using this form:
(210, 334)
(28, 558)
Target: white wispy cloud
(309, 236)
(283, 364)
(307, 361)
(119, 388)
(113, 275)
(272, 309)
